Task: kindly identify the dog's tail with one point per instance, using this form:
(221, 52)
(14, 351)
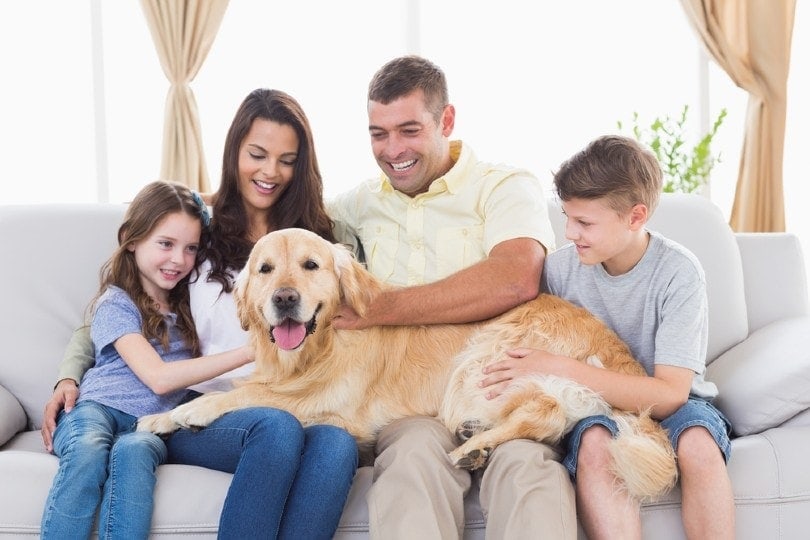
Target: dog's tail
(643, 457)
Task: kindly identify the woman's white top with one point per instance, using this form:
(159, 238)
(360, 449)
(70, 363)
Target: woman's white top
(217, 324)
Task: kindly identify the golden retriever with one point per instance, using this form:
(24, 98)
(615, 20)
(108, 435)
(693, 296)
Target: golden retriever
(362, 380)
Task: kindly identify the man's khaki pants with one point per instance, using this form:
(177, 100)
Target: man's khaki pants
(417, 492)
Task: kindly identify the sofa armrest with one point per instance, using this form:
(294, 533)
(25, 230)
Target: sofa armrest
(775, 277)
(12, 416)
(763, 380)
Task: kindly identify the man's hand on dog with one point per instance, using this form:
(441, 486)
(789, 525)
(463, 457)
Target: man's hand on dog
(348, 319)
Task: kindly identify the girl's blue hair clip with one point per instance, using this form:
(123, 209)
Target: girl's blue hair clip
(204, 215)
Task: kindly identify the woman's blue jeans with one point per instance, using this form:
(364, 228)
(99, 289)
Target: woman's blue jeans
(101, 460)
(289, 481)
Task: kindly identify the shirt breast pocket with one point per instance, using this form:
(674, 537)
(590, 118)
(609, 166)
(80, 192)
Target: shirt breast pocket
(458, 248)
(380, 244)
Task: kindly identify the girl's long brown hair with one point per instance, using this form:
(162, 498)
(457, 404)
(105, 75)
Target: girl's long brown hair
(154, 202)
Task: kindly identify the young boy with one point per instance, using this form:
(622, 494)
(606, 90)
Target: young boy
(651, 291)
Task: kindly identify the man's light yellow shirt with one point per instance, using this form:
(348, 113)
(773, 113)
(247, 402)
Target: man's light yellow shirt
(464, 214)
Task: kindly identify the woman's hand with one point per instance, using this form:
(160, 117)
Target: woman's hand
(64, 396)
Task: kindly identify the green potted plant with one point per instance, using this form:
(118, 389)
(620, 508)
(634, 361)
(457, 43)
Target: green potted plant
(686, 169)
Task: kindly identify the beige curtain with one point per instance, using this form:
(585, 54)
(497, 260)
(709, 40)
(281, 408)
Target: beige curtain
(183, 32)
(750, 40)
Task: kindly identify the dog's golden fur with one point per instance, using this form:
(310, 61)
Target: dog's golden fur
(362, 380)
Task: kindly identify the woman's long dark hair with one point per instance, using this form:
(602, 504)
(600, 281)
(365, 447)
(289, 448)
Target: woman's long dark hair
(301, 204)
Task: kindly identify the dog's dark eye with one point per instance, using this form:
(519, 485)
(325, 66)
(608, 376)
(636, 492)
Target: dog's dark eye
(311, 265)
(265, 268)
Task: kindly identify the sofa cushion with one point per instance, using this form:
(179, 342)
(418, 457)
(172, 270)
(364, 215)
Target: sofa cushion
(763, 381)
(12, 419)
(48, 293)
(773, 291)
(698, 224)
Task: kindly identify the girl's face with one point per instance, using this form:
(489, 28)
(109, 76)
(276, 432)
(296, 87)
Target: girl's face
(167, 254)
(603, 236)
(267, 159)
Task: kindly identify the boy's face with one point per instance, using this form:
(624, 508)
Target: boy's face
(602, 236)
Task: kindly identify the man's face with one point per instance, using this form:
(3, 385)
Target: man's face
(410, 147)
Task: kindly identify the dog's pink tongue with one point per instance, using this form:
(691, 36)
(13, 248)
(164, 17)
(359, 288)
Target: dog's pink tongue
(289, 334)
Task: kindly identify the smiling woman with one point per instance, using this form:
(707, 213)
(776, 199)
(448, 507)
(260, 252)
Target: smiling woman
(532, 88)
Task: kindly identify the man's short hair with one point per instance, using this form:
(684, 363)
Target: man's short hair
(401, 76)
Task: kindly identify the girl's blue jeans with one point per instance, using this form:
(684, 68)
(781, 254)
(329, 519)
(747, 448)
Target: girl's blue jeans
(102, 460)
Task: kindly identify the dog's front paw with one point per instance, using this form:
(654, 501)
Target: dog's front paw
(160, 424)
(470, 458)
(194, 415)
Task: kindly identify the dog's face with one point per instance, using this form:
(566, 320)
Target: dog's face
(292, 281)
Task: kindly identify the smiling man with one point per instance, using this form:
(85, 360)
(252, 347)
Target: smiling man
(462, 240)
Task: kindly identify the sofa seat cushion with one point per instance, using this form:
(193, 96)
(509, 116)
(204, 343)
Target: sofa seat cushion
(26, 441)
(768, 471)
(763, 381)
(188, 499)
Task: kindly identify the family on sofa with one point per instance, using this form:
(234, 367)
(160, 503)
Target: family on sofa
(464, 241)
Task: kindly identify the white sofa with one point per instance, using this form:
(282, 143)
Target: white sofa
(759, 349)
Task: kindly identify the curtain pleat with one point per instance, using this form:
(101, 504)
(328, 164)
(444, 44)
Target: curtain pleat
(750, 40)
(183, 32)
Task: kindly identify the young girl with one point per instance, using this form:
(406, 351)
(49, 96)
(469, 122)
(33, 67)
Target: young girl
(144, 341)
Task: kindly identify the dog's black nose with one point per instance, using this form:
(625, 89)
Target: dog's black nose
(286, 298)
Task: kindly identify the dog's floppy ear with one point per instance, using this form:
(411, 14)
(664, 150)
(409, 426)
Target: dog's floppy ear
(240, 295)
(357, 285)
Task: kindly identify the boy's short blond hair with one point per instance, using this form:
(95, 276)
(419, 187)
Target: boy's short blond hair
(615, 168)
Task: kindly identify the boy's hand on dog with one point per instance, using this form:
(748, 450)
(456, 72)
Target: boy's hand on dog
(518, 363)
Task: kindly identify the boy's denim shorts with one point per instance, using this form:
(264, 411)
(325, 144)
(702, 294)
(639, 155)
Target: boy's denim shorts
(695, 412)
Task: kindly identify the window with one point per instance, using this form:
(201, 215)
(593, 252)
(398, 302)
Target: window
(47, 139)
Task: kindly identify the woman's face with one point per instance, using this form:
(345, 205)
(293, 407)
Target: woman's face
(267, 159)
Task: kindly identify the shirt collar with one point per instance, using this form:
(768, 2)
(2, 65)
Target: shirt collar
(458, 174)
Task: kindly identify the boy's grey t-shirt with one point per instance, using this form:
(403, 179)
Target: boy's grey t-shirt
(111, 381)
(659, 308)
